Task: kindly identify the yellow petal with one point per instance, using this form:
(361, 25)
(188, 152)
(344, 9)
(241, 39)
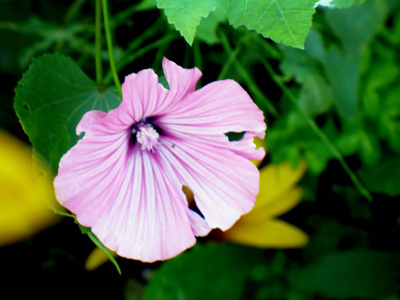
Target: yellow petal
(276, 179)
(188, 193)
(259, 143)
(96, 258)
(275, 207)
(22, 209)
(269, 233)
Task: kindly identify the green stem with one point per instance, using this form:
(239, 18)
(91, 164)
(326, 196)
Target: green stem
(230, 60)
(99, 73)
(198, 58)
(268, 50)
(159, 56)
(247, 78)
(187, 55)
(73, 11)
(110, 47)
(329, 145)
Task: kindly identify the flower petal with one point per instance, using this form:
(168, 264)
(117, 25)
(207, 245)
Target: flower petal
(245, 148)
(142, 97)
(125, 195)
(199, 225)
(275, 207)
(276, 179)
(259, 144)
(181, 81)
(224, 184)
(285, 202)
(269, 233)
(223, 181)
(148, 217)
(132, 198)
(217, 108)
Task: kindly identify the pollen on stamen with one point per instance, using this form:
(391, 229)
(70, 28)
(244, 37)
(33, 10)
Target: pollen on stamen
(147, 136)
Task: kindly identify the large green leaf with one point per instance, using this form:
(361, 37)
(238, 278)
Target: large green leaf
(186, 14)
(204, 272)
(207, 30)
(50, 100)
(350, 274)
(284, 21)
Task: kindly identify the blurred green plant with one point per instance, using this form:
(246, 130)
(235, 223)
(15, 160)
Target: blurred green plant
(336, 100)
(350, 82)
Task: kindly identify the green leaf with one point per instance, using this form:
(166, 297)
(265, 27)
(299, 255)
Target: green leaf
(186, 15)
(357, 139)
(207, 31)
(343, 71)
(291, 138)
(204, 272)
(316, 94)
(384, 177)
(283, 21)
(389, 122)
(50, 100)
(96, 241)
(350, 274)
(393, 4)
(339, 63)
(379, 77)
(356, 26)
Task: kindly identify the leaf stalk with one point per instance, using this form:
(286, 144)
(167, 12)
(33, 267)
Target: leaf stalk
(99, 72)
(329, 145)
(110, 47)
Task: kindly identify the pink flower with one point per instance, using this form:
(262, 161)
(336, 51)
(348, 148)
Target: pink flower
(124, 178)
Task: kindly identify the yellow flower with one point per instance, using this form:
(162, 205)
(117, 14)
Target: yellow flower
(25, 188)
(278, 194)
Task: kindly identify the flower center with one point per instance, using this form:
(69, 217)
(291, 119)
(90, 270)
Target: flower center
(147, 136)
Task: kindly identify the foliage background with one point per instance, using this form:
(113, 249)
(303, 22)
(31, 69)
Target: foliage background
(345, 82)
